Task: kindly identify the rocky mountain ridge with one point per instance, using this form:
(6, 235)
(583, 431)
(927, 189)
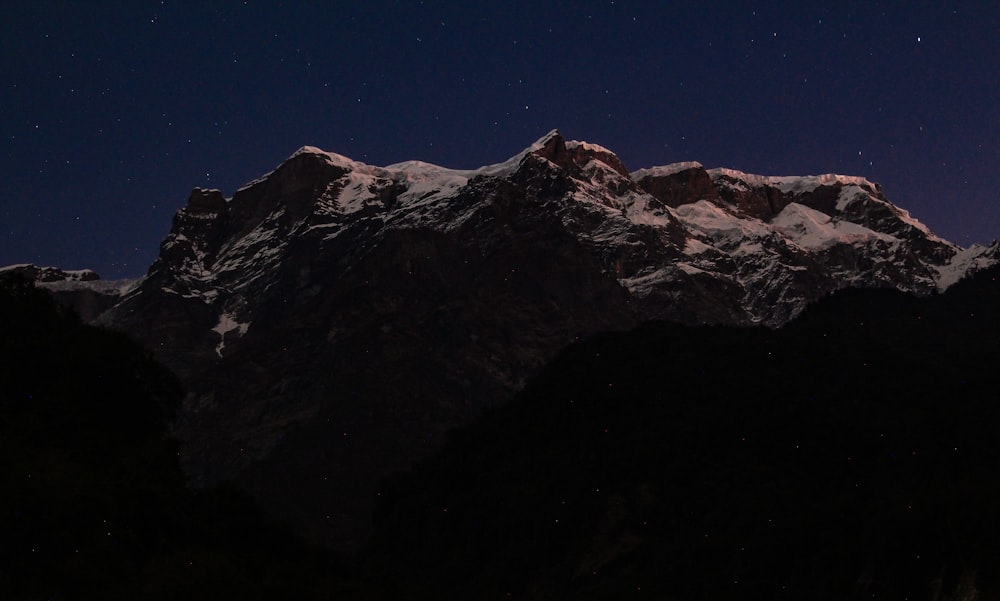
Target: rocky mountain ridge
(749, 232)
(332, 319)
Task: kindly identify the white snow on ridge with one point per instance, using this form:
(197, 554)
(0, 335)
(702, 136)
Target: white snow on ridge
(119, 287)
(355, 193)
(510, 165)
(435, 185)
(794, 183)
(964, 262)
(423, 190)
(814, 230)
(571, 144)
(637, 210)
(414, 166)
(904, 216)
(70, 275)
(848, 196)
(332, 157)
(423, 181)
(423, 169)
(720, 225)
(643, 283)
(665, 170)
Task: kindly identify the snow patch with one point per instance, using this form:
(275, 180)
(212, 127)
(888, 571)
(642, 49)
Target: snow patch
(510, 165)
(848, 196)
(110, 287)
(596, 148)
(332, 158)
(965, 262)
(226, 325)
(719, 225)
(694, 246)
(642, 284)
(637, 209)
(904, 216)
(814, 230)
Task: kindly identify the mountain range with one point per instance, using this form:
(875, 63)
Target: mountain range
(331, 321)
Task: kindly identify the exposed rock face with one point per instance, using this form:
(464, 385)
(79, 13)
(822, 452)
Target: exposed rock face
(679, 184)
(333, 319)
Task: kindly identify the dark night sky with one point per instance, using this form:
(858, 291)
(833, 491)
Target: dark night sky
(111, 112)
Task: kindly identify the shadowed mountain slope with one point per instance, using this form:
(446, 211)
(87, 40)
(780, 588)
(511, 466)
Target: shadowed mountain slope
(850, 454)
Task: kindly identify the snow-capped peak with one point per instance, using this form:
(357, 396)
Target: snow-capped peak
(755, 233)
(510, 165)
(542, 142)
(588, 146)
(332, 157)
(417, 166)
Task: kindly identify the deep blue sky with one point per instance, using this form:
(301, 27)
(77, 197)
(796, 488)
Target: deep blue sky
(110, 113)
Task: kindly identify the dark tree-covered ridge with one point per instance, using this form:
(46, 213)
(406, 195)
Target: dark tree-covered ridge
(93, 503)
(851, 454)
(848, 455)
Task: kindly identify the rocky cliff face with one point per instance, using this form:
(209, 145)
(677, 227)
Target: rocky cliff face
(333, 319)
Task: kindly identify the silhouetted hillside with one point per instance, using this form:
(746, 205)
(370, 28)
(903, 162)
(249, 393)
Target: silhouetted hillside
(93, 504)
(851, 454)
(848, 455)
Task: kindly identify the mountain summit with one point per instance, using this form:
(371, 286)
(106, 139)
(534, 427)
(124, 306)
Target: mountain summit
(664, 233)
(332, 319)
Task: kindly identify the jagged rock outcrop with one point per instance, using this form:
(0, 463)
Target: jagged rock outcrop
(677, 184)
(333, 319)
